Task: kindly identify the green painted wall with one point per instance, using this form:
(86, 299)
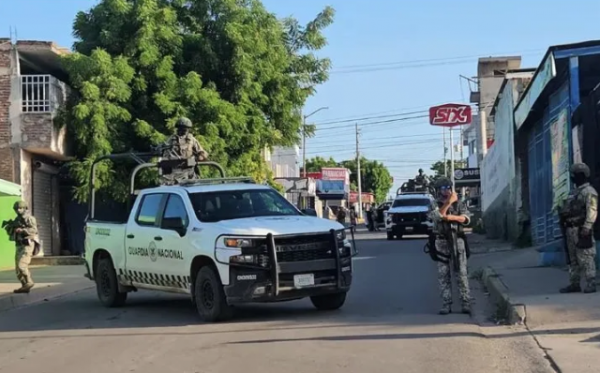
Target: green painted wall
(7, 248)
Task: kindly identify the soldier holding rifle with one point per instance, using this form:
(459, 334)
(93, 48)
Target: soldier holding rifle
(183, 146)
(448, 245)
(24, 232)
(577, 217)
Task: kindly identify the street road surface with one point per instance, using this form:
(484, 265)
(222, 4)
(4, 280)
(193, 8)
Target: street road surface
(389, 324)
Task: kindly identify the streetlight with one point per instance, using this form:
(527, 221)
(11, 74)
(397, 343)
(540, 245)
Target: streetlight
(304, 137)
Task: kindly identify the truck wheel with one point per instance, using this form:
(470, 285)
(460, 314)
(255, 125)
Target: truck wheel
(328, 302)
(211, 302)
(107, 285)
(390, 236)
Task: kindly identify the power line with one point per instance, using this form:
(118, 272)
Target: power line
(409, 64)
(442, 59)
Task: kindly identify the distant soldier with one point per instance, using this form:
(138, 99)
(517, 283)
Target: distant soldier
(579, 214)
(184, 146)
(421, 178)
(451, 248)
(24, 232)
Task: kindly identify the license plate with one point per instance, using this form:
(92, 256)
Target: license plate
(409, 229)
(301, 281)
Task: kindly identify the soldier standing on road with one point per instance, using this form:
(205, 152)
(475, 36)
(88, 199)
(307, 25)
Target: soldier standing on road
(450, 214)
(25, 234)
(183, 145)
(579, 214)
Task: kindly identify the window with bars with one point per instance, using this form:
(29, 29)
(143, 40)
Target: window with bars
(40, 93)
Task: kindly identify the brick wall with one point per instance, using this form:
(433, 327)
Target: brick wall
(37, 131)
(6, 158)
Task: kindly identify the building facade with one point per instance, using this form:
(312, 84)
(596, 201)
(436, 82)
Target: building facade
(500, 197)
(549, 125)
(32, 146)
(490, 75)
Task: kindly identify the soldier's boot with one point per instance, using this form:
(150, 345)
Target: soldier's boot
(27, 288)
(590, 288)
(445, 310)
(573, 288)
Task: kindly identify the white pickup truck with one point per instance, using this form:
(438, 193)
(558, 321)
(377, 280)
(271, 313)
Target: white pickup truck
(223, 242)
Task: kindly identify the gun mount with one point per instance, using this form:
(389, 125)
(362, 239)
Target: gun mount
(143, 160)
(411, 186)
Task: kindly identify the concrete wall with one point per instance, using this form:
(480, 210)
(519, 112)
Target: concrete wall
(501, 187)
(284, 162)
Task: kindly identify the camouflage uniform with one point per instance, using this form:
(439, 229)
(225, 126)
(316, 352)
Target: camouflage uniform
(442, 246)
(581, 211)
(25, 235)
(184, 146)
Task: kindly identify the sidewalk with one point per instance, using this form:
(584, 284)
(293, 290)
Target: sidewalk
(51, 282)
(567, 326)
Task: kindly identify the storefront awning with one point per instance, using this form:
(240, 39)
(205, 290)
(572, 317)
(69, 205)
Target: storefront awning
(9, 189)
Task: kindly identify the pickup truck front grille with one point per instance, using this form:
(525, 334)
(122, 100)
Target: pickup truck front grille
(303, 248)
(409, 218)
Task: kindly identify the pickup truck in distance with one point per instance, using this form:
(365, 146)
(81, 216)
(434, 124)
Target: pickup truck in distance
(223, 242)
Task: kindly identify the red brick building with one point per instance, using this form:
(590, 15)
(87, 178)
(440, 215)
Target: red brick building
(32, 147)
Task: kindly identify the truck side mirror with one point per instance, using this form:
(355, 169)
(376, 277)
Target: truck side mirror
(174, 224)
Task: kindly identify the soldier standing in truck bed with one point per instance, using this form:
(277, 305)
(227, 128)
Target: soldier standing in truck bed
(183, 145)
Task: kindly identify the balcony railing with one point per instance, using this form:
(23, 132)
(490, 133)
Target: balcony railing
(41, 93)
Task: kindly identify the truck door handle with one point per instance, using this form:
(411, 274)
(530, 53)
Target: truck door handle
(158, 238)
(130, 236)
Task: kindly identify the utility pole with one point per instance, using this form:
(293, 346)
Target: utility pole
(445, 151)
(304, 117)
(358, 176)
(304, 146)
(452, 158)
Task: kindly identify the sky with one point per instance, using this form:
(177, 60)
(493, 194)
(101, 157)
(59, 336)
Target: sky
(392, 60)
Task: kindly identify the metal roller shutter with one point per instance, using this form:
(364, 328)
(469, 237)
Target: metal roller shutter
(42, 208)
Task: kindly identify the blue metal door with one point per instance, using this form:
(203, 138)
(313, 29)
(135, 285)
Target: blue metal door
(544, 222)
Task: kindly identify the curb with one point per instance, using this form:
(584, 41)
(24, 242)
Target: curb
(37, 295)
(57, 260)
(514, 313)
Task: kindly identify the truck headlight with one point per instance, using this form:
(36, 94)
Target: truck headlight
(241, 250)
(344, 245)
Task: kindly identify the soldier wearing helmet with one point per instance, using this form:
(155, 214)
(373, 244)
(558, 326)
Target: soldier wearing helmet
(24, 232)
(184, 146)
(421, 179)
(578, 215)
(450, 216)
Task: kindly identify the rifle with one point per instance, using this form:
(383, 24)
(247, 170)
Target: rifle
(9, 227)
(563, 231)
(453, 243)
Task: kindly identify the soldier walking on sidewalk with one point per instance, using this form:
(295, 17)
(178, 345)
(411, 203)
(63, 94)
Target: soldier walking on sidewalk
(23, 231)
(579, 215)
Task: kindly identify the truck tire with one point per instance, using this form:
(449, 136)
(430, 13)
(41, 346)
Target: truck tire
(390, 236)
(107, 285)
(329, 302)
(211, 302)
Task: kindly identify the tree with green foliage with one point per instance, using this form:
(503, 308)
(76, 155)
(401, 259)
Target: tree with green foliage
(317, 163)
(375, 177)
(438, 167)
(239, 73)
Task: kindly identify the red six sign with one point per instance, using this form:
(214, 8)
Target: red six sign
(450, 115)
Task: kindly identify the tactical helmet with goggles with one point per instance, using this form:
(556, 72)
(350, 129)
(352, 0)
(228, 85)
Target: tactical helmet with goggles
(183, 123)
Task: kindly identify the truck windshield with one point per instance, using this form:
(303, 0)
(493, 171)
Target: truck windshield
(411, 202)
(239, 204)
